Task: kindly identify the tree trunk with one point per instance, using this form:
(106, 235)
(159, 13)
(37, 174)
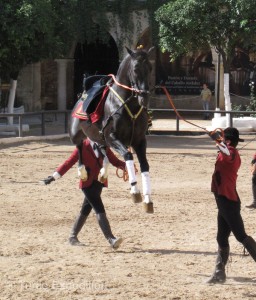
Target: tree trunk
(10, 106)
(227, 98)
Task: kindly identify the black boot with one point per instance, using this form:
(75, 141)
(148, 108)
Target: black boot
(219, 275)
(105, 228)
(79, 223)
(250, 245)
(253, 205)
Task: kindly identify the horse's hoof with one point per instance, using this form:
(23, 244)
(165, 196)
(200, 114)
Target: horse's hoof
(136, 198)
(148, 207)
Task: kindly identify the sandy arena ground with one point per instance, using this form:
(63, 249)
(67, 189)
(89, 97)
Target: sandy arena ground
(166, 255)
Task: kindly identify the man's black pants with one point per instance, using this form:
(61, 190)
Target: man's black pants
(92, 199)
(229, 220)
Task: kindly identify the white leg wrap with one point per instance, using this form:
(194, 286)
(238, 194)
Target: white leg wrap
(131, 171)
(134, 189)
(147, 199)
(146, 183)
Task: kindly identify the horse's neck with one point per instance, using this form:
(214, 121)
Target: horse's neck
(123, 79)
(123, 72)
(125, 93)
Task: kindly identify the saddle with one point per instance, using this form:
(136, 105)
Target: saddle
(91, 103)
(93, 89)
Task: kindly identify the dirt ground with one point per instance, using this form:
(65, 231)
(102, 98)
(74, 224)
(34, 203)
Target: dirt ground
(166, 255)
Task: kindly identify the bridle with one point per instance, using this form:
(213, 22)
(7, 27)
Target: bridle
(135, 92)
(124, 102)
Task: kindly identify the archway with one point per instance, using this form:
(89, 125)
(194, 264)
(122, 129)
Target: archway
(94, 58)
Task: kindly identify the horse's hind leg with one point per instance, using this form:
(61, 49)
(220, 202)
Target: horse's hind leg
(128, 157)
(77, 136)
(82, 173)
(92, 132)
(144, 166)
(103, 175)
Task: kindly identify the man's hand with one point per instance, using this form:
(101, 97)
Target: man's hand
(217, 136)
(48, 180)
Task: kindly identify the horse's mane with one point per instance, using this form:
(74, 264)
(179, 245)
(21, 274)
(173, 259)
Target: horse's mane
(125, 64)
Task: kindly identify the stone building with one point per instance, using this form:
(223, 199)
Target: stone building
(55, 84)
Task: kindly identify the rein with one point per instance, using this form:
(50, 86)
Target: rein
(217, 134)
(124, 175)
(175, 110)
(127, 87)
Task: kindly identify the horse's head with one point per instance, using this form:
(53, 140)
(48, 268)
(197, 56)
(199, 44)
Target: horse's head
(139, 73)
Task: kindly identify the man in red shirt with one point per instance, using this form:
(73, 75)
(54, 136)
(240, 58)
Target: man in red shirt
(228, 203)
(91, 187)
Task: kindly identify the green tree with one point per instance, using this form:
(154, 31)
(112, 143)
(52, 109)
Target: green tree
(31, 30)
(189, 25)
(28, 33)
(34, 30)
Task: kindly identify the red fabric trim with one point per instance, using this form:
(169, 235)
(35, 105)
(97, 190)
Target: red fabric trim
(78, 112)
(97, 114)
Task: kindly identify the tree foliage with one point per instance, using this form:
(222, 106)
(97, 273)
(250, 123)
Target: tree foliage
(34, 30)
(189, 25)
(28, 33)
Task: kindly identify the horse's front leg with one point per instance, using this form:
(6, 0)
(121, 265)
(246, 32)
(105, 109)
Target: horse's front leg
(77, 136)
(135, 192)
(128, 158)
(144, 167)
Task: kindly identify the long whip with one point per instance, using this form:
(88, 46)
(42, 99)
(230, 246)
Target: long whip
(217, 134)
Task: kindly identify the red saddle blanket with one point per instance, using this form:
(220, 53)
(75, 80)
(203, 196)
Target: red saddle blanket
(95, 116)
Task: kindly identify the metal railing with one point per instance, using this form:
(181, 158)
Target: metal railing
(230, 114)
(42, 115)
(66, 114)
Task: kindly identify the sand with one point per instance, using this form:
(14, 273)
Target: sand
(166, 255)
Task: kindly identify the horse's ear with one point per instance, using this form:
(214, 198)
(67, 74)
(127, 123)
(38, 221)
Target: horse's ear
(129, 51)
(151, 52)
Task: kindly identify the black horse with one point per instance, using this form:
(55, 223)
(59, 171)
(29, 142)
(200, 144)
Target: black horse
(124, 122)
